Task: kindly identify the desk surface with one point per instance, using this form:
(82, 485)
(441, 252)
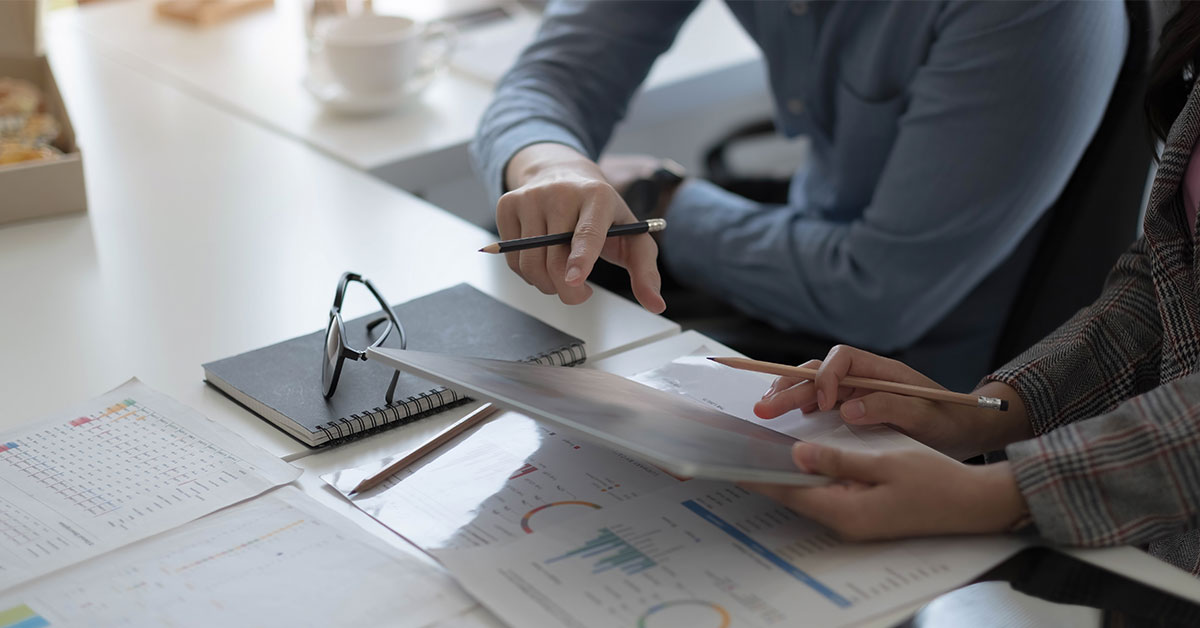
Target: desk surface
(254, 66)
(207, 236)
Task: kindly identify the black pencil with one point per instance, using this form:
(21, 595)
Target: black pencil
(520, 244)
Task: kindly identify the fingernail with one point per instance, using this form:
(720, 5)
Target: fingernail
(770, 391)
(573, 274)
(854, 410)
(821, 399)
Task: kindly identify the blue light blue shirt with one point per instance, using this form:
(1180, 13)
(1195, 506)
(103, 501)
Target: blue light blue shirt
(940, 132)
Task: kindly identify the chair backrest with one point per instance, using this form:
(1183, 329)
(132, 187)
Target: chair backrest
(1096, 217)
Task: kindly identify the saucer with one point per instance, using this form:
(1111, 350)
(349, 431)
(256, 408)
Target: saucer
(337, 98)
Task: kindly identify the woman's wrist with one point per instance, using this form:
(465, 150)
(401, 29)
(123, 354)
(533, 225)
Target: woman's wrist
(1000, 505)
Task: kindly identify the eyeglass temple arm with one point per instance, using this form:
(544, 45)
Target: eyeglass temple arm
(387, 310)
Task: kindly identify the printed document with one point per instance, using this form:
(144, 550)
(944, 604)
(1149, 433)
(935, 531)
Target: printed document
(735, 392)
(113, 470)
(501, 482)
(279, 560)
(710, 555)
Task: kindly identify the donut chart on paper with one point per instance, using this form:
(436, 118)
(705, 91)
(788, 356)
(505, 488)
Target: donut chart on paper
(716, 611)
(529, 515)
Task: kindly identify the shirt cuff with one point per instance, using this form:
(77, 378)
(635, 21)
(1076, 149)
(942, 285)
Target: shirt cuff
(501, 149)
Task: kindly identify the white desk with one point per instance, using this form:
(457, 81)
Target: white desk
(208, 236)
(254, 66)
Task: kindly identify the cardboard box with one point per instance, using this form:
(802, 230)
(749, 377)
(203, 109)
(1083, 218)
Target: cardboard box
(20, 28)
(37, 188)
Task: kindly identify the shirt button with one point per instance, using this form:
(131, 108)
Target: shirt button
(798, 8)
(795, 106)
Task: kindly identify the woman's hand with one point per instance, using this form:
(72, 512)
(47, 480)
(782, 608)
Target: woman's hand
(956, 430)
(554, 189)
(896, 494)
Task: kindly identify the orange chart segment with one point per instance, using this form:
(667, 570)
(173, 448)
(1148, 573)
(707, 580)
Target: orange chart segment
(699, 613)
(529, 515)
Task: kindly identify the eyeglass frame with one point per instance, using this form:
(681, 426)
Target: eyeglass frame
(345, 351)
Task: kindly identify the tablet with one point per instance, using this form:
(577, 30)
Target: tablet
(682, 436)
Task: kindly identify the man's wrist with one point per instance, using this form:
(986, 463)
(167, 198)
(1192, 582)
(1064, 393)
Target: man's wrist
(536, 159)
(650, 196)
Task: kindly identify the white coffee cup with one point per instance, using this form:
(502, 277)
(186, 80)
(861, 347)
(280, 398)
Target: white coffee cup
(380, 54)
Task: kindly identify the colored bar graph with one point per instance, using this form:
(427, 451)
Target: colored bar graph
(81, 421)
(613, 553)
(770, 556)
(7, 446)
(21, 617)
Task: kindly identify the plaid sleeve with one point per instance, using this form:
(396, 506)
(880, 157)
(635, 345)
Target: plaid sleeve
(1105, 354)
(1128, 476)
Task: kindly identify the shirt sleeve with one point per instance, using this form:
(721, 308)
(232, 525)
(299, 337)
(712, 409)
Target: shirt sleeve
(997, 118)
(1129, 476)
(574, 82)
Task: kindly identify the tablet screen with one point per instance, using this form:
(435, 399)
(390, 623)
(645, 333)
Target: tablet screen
(680, 435)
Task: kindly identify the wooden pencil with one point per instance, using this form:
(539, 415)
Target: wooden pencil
(456, 428)
(746, 364)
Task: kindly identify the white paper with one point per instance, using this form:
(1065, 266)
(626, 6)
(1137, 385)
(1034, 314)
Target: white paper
(502, 482)
(707, 554)
(735, 392)
(113, 470)
(279, 560)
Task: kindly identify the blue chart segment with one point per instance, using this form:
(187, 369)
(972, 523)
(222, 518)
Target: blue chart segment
(611, 552)
(766, 553)
(21, 617)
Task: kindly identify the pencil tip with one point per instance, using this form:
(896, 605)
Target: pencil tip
(491, 248)
(1003, 405)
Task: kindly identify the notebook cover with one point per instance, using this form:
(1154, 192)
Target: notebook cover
(286, 377)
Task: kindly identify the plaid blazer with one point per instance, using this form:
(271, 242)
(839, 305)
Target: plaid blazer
(1114, 393)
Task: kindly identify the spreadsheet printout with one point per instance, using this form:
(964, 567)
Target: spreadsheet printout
(113, 470)
(281, 559)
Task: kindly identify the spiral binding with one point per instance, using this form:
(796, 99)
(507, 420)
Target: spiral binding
(570, 355)
(380, 418)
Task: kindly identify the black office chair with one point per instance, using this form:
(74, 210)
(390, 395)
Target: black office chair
(1093, 221)
(1096, 217)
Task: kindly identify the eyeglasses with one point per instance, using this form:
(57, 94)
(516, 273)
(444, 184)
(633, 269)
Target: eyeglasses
(336, 349)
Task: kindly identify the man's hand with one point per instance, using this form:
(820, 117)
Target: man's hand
(555, 189)
(901, 494)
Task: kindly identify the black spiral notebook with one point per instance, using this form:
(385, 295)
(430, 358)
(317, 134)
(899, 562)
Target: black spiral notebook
(282, 382)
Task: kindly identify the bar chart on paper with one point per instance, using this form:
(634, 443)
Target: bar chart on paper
(610, 551)
(118, 468)
(702, 555)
